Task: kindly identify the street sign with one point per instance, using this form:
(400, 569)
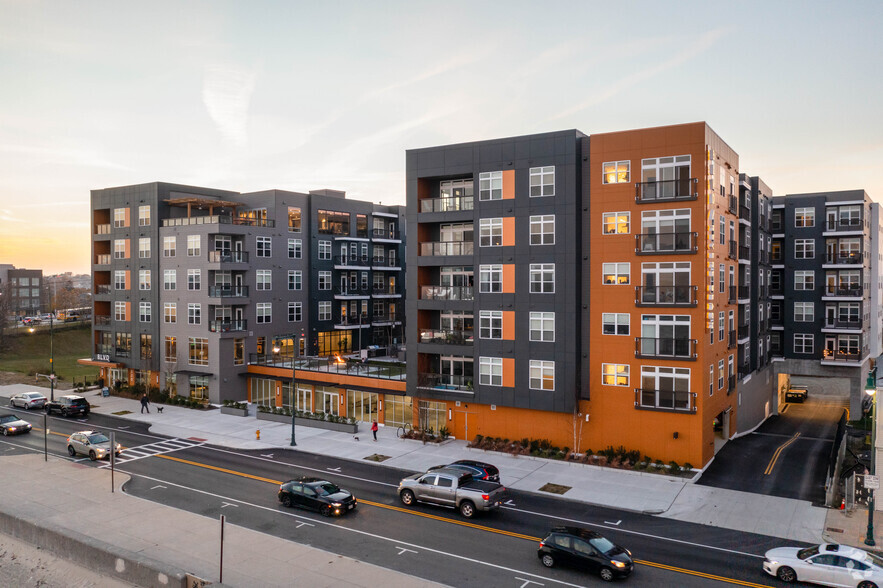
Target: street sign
(872, 482)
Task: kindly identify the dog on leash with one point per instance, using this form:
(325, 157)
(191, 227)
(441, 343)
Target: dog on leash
(355, 438)
(159, 408)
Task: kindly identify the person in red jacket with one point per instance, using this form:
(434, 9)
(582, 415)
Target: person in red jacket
(374, 429)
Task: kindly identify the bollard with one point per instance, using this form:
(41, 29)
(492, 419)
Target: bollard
(258, 434)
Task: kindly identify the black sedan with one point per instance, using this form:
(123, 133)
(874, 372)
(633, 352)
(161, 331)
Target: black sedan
(586, 550)
(12, 425)
(479, 470)
(318, 495)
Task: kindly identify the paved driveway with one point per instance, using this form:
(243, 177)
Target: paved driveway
(787, 456)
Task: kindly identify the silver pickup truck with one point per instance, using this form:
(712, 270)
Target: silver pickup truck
(454, 488)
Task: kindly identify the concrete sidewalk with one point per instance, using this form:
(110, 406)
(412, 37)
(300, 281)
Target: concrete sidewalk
(666, 496)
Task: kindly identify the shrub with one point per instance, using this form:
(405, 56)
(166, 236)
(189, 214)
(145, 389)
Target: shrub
(534, 446)
(226, 403)
(545, 444)
(445, 433)
(688, 466)
(525, 442)
(476, 442)
(674, 468)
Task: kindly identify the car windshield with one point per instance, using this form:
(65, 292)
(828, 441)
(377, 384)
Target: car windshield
(98, 438)
(805, 553)
(34, 395)
(326, 488)
(8, 418)
(601, 544)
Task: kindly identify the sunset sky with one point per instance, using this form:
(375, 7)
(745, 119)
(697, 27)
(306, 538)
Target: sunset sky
(307, 95)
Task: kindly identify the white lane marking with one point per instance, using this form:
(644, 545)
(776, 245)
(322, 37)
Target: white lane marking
(404, 550)
(123, 428)
(616, 524)
(303, 524)
(226, 504)
(267, 455)
(158, 486)
(337, 469)
(356, 531)
(509, 502)
(525, 582)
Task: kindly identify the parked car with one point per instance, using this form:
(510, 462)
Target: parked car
(28, 400)
(827, 564)
(47, 317)
(68, 405)
(796, 394)
(318, 495)
(450, 487)
(479, 470)
(92, 443)
(586, 550)
(10, 424)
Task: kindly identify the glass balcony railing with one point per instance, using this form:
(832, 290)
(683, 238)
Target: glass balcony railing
(101, 320)
(666, 295)
(447, 293)
(452, 204)
(384, 234)
(665, 243)
(665, 348)
(464, 337)
(666, 190)
(218, 219)
(443, 382)
(666, 400)
(446, 248)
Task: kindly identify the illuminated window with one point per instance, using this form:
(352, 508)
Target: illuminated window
(293, 219)
(614, 374)
(616, 273)
(616, 172)
(615, 223)
(198, 351)
(804, 217)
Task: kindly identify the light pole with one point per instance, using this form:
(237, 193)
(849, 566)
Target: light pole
(871, 389)
(293, 394)
(51, 358)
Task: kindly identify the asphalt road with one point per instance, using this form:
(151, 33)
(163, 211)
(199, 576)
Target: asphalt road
(434, 543)
(787, 456)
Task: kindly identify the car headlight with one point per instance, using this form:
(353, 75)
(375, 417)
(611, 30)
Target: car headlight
(11, 429)
(619, 564)
(336, 504)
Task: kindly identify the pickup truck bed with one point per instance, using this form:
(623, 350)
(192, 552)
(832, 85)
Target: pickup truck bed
(454, 488)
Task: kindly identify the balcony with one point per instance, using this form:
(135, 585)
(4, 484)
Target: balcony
(764, 257)
(446, 248)
(102, 259)
(777, 290)
(666, 191)
(744, 331)
(445, 382)
(383, 262)
(447, 293)
(666, 296)
(732, 250)
(665, 348)
(358, 321)
(844, 224)
(386, 318)
(733, 203)
(228, 256)
(853, 290)
(452, 204)
(218, 219)
(102, 289)
(844, 355)
(665, 400)
(228, 291)
(103, 229)
(763, 292)
(464, 337)
(847, 323)
(665, 243)
(228, 326)
(844, 258)
(731, 339)
(385, 291)
(384, 234)
(101, 320)
(732, 295)
(352, 291)
(744, 253)
(361, 261)
(744, 212)
(744, 292)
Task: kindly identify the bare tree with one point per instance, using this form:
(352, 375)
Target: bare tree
(5, 311)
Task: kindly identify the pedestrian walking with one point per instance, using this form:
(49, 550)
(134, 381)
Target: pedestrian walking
(144, 402)
(374, 429)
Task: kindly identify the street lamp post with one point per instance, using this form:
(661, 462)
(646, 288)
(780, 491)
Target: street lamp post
(871, 389)
(293, 394)
(51, 359)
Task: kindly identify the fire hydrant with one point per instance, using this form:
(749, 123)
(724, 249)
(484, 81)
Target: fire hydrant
(258, 434)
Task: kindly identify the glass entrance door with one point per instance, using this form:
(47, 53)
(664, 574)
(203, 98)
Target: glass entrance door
(361, 405)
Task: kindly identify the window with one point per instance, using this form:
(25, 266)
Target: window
(721, 274)
(144, 279)
(542, 278)
(333, 223)
(804, 312)
(295, 312)
(804, 217)
(490, 278)
(614, 374)
(615, 223)
(721, 321)
(542, 181)
(490, 185)
(803, 343)
(144, 216)
(170, 313)
(720, 374)
(666, 177)
(170, 279)
(324, 280)
(804, 248)
(324, 310)
(144, 312)
(666, 282)
(542, 229)
(614, 323)
(238, 351)
(119, 248)
(616, 172)
(490, 232)
(295, 279)
(542, 326)
(264, 247)
(264, 279)
(665, 387)
(542, 375)
(198, 351)
(293, 219)
(194, 313)
(144, 248)
(119, 311)
(193, 245)
(295, 248)
(194, 279)
(171, 349)
(119, 280)
(490, 371)
(168, 246)
(264, 312)
(616, 273)
(490, 323)
(804, 280)
(325, 250)
(711, 380)
(119, 217)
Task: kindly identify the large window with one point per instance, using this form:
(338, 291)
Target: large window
(194, 279)
(198, 387)
(264, 312)
(293, 219)
(803, 343)
(615, 273)
(169, 279)
(542, 375)
(615, 223)
(198, 351)
(170, 313)
(804, 217)
(490, 371)
(238, 351)
(804, 280)
(542, 229)
(264, 279)
(333, 223)
(614, 374)
(666, 230)
(490, 278)
(146, 346)
(615, 172)
(665, 387)
(490, 324)
(804, 312)
(666, 282)
(804, 248)
(490, 185)
(264, 247)
(194, 313)
(490, 232)
(542, 326)
(542, 181)
(171, 350)
(615, 323)
(144, 247)
(193, 246)
(542, 278)
(665, 177)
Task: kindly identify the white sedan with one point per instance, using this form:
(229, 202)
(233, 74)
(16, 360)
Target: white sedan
(828, 564)
(28, 400)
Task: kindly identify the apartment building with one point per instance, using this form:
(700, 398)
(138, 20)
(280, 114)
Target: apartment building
(190, 283)
(24, 287)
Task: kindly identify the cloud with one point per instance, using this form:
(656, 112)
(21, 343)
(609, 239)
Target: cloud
(226, 93)
(78, 156)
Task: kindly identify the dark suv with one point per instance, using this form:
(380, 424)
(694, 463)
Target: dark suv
(318, 495)
(68, 405)
(479, 470)
(586, 550)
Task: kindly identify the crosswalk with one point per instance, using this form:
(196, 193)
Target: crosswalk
(158, 448)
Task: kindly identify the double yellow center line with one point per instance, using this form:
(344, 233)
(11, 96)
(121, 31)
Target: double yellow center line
(782, 447)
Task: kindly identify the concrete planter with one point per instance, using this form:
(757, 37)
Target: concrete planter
(316, 424)
(234, 411)
(269, 416)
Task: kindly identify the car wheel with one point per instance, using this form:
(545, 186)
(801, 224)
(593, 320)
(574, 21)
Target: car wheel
(606, 574)
(548, 560)
(407, 497)
(5, 432)
(867, 585)
(27, 406)
(71, 451)
(786, 574)
(325, 511)
(467, 509)
(286, 501)
(64, 412)
(92, 456)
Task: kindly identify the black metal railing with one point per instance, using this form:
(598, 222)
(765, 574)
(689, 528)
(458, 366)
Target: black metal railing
(444, 382)
(844, 224)
(732, 249)
(352, 260)
(662, 347)
(666, 190)
(663, 243)
(744, 331)
(227, 326)
(744, 292)
(447, 293)
(384, 234)
(385, 261)
(228, 291)
(848, 323)
(353, 321)
(731, 384)
(351, 291)
(665, 400)
(332, 364)
(849, 258)
(228, 256)
(447, 248)
(838, 355)
(744, 252)
(851, 290)
(386, 317)
(451, 204)
(214, 219)
(103, 349)
(733, 203)
(666, 295)
(731, 339)
(744, 212)
(385, 291)
(732, 294)
(777, 290)
(463, 337)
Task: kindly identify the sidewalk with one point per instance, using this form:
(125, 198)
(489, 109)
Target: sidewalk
(665, 496)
